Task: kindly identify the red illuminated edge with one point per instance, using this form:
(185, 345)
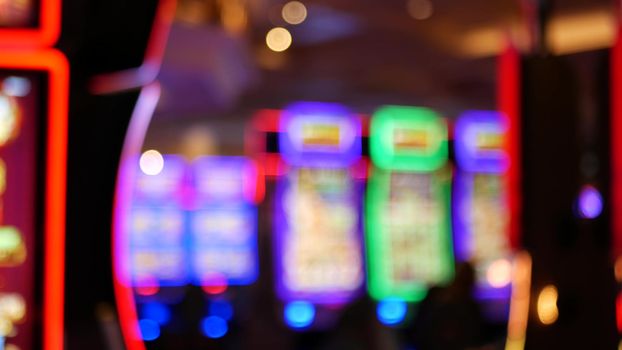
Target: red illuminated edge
(137, 129)
(509, 87)
(45, 35)
(148, 71)
(56, 65)
(616, 143)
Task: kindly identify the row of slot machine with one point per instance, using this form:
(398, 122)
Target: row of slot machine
(382, 206)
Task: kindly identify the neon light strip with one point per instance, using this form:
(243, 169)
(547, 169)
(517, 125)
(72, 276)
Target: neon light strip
(134, 139)
(519, 304)
(268, 164)
(148, 71)
(45, 35)
(616, 143)
(509, 86)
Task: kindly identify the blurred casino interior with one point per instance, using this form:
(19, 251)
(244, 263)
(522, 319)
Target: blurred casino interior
(310, 174)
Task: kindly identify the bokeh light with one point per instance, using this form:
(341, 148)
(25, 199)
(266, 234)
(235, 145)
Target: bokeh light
(420, 9)
(278, 39)
(151, 162)
(214, 327)
(222, 309)
(547, 305)
(294, 12)
(157, 312)
(590, 203)
(149, 329)
(391, 311)
(299, 314)
(499, 273)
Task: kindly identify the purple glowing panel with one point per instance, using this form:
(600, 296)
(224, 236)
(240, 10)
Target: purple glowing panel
(322, 135)
(223, 223)
(166, 186)
(481, 225)
(590, 202)
(318, 241)
(156, 226)
(220, 179)
(480, 141)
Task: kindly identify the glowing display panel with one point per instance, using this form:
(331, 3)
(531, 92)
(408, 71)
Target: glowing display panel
(156, 227)
(408, 139)
(408, 233)
(224, 221)
(18, 13)
(408, 198)
(318, 227)
(20, 118)
(317, 134)
(481, 212)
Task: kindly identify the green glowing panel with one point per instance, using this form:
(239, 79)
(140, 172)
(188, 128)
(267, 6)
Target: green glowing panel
(408, 233)
(408, 138)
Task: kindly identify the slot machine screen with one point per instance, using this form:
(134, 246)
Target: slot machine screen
(408, 231)
(18, 13)
(156, 226)
(21, 118)
(318, 206)
(224, 222)
(481, 214)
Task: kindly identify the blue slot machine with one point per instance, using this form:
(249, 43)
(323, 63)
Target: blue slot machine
(223, 235)
(481, 205)
(318, 221)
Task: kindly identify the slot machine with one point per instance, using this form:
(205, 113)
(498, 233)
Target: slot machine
(34, 89)
(481, 212)
(408, 232)
(223, 250)
(318, 214)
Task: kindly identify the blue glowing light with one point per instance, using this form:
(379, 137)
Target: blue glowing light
(222, 309)
(149, 329)
(299, 314)
(391, 311)
(157, 312)
(590, 202)
(214, 327)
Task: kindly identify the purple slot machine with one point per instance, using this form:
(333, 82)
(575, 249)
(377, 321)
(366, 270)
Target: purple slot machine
(481, 205)
(318, 238)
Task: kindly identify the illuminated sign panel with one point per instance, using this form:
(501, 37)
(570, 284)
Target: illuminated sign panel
(480, 142)
(224, 221)
(408, 139)
(407, 205)
(317, 134)
(157, 227)
(481, 208)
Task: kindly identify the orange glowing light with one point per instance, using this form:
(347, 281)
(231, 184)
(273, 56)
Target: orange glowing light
(547, 305)
(519, 303)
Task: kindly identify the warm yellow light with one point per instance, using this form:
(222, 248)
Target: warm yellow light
(499, 273)
(151, 162)
(278, 39)
(519, 304)
(547, 305)
(294, 12)
(233, 16)
(420, 9)
(582, 31)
